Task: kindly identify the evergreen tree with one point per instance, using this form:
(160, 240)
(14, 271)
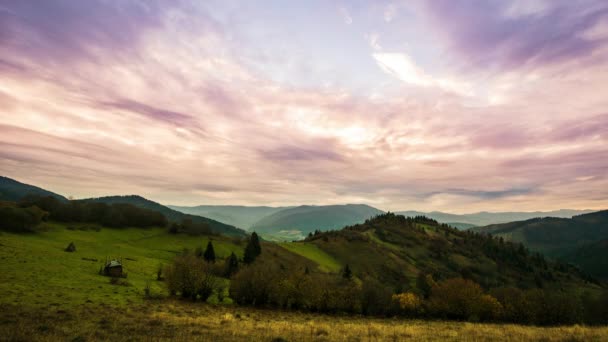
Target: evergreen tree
(253, 249)
(347, 273)
(209, 253)
(232, 265)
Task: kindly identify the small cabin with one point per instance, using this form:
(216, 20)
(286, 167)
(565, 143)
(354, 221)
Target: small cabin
(113, 269)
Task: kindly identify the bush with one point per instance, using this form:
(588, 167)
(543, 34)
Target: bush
(376, 298)
(462, 299)
(190, 277)
(17, 219)
(409, 303)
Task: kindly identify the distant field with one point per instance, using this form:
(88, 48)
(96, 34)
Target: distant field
(326, 262)
(170, 320)
(35, 269)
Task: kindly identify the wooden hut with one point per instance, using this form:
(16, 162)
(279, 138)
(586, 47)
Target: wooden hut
(113, 269)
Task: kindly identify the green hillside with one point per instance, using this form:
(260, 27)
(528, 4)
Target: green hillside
(12, 190)
(395, 250)
(239, 216)
(306, 219)
(36, 271)
(170, 214)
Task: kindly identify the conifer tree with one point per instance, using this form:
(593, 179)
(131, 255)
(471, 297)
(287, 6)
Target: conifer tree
(346, 272)
(253, 249)
(232, 265)
(209, 253)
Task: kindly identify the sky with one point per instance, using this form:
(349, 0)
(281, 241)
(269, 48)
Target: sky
(458, 106)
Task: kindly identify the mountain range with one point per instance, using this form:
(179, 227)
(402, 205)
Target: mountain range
(243, 217)
(485, 218)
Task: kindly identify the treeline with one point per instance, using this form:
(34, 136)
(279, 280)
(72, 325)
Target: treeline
(111, 215)
(271, 285)
(20, 219)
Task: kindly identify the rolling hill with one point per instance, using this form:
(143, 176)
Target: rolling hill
(172, 215)
(305, 219)
(396, 250)
(239, 216)
(12, 190)
(574, 240)
(485, 218)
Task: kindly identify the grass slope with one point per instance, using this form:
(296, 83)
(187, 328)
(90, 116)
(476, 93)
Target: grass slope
(325, 262)
(170, 214)
(12, 190)
(36, 269)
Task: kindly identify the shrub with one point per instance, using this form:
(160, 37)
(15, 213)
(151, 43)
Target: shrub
(409, 303)
(190, 277)
(18, 219)
(463, 299)
(376, 298)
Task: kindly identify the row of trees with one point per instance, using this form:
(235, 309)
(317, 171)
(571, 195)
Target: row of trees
(20, 219)
(456, 298)
(111, 215)
(195, 275)
(266, 282)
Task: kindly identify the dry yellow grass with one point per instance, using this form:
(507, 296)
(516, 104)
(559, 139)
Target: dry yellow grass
(180, 321)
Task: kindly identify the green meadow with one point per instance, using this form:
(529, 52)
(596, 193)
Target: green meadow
(36, 270)
(326, 262)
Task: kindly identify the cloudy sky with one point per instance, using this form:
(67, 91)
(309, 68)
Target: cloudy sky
(457, 106)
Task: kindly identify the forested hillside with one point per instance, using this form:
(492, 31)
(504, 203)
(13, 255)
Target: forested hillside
(12, 190)
(573, 240)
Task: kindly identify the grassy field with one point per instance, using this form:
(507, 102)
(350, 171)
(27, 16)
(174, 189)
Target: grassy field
(181, 321)
(325, 261)
(35, 269)
(48, 294)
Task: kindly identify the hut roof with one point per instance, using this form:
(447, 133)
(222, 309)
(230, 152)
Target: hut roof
(114, 263)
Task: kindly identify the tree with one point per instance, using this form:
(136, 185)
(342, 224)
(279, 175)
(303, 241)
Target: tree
(232, 265)
(209, 254)
(424, 283)
(347, 273)
(190, 277)
(253, 249)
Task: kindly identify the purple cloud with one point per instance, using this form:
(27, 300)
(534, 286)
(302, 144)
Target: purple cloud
(485, 35)
(61, 30)
(151, 112)
(294, 153)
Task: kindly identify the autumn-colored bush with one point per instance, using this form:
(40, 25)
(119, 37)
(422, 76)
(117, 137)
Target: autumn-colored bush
(464, 299)
(409, 303)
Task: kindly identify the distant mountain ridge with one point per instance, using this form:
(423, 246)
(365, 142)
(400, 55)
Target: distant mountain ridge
(12, 190)
(485, 218)
(239, 216)
(170, 214)
(308, 218)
